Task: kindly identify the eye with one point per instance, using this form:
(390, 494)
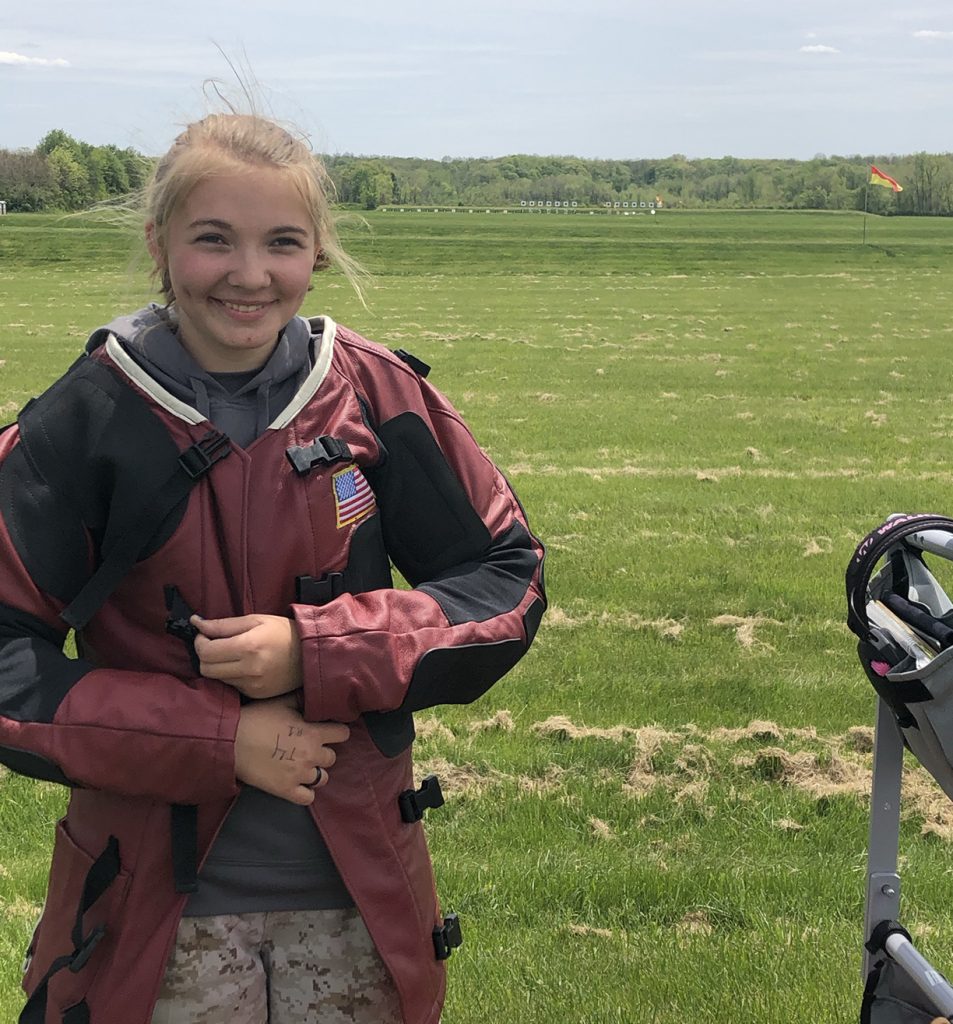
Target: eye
(210, 239)
(287, 241)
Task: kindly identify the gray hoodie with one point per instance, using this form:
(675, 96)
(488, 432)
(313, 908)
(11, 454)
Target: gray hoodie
(242, 412)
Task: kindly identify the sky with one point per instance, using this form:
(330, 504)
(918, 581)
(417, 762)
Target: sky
(609, 79)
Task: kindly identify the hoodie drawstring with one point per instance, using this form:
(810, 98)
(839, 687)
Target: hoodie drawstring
(202, 403)
(263, 405)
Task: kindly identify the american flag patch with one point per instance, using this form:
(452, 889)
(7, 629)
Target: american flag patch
(353, 496)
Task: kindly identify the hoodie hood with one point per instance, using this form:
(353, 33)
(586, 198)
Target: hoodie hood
(240, 405)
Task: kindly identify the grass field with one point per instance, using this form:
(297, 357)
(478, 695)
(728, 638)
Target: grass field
(660, 815)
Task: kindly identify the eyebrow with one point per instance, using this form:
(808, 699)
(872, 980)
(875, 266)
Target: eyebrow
(223, 225)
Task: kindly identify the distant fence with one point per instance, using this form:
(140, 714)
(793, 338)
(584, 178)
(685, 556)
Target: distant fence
(622, 204)
(531, 206)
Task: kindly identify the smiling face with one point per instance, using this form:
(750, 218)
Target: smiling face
(239, 250)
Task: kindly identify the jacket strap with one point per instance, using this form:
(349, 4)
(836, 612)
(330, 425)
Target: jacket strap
(100, 876)
(185, 845)
(191, 466)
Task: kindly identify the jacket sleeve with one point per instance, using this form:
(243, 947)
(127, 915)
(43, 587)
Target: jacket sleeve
(455, 530)
(145, 734)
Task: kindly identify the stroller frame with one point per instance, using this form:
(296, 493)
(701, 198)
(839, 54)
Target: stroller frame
(884, 938)
(903, 620)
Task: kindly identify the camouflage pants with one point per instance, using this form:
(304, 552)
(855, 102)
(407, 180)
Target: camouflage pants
(296, 967)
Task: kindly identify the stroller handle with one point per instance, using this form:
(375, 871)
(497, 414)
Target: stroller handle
(921, 972)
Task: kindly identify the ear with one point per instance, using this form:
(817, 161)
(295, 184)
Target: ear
(152, 243)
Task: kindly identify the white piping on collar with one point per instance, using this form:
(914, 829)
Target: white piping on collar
(327, 328)
(152, 388)
(322, 325)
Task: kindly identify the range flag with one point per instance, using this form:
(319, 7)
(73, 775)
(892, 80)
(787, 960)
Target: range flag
(879, 178)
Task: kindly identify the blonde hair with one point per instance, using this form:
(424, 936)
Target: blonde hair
(227, 143)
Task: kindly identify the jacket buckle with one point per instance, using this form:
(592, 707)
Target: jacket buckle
(413, 803)
(447, 938)
(308, 590)
(178, 623)
(199, 458)
(322, 449)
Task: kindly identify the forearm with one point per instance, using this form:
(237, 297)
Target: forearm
(446, 641)
(136, 733)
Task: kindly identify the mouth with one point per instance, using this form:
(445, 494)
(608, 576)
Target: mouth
(242, 308)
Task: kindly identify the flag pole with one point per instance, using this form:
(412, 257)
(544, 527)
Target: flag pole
(866, 190)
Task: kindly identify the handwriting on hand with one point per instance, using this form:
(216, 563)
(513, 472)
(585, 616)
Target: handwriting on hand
(281, 753)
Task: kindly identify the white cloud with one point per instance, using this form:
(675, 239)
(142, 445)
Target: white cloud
(819, 48)
(931, 33)
(6, 57)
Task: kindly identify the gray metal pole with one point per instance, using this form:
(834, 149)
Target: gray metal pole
(866, 190)
(883, 881)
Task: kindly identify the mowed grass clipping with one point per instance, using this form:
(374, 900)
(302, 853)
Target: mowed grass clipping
(660, 814)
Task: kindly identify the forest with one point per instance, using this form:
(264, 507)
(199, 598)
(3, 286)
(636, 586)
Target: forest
(63, 173)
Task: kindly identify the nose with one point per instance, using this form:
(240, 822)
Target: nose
(248, 270)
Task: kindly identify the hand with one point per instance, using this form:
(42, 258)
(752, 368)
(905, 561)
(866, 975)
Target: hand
(260, 655)
(279, 752)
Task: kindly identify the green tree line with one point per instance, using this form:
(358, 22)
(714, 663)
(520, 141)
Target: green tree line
(65, 174)
(823, 183)
(62, 173)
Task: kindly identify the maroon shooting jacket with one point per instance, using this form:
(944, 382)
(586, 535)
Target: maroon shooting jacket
(369, 465)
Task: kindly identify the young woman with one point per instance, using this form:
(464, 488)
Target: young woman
(213, 496)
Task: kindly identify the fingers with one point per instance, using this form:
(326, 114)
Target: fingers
(323, 757)
(221, 641)
(333, 732)
(220, 651)
(279, 752)
(305, 793)
(216, 629)
(232, 671)
(257, 654)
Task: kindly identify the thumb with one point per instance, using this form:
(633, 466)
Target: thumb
(216, 629)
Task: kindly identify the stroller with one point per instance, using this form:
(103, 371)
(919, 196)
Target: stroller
(904, 621)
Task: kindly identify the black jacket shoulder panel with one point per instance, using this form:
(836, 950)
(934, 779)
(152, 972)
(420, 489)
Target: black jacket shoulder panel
(429, 522)
(90, 448)
(44, 527)
(36, 678)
